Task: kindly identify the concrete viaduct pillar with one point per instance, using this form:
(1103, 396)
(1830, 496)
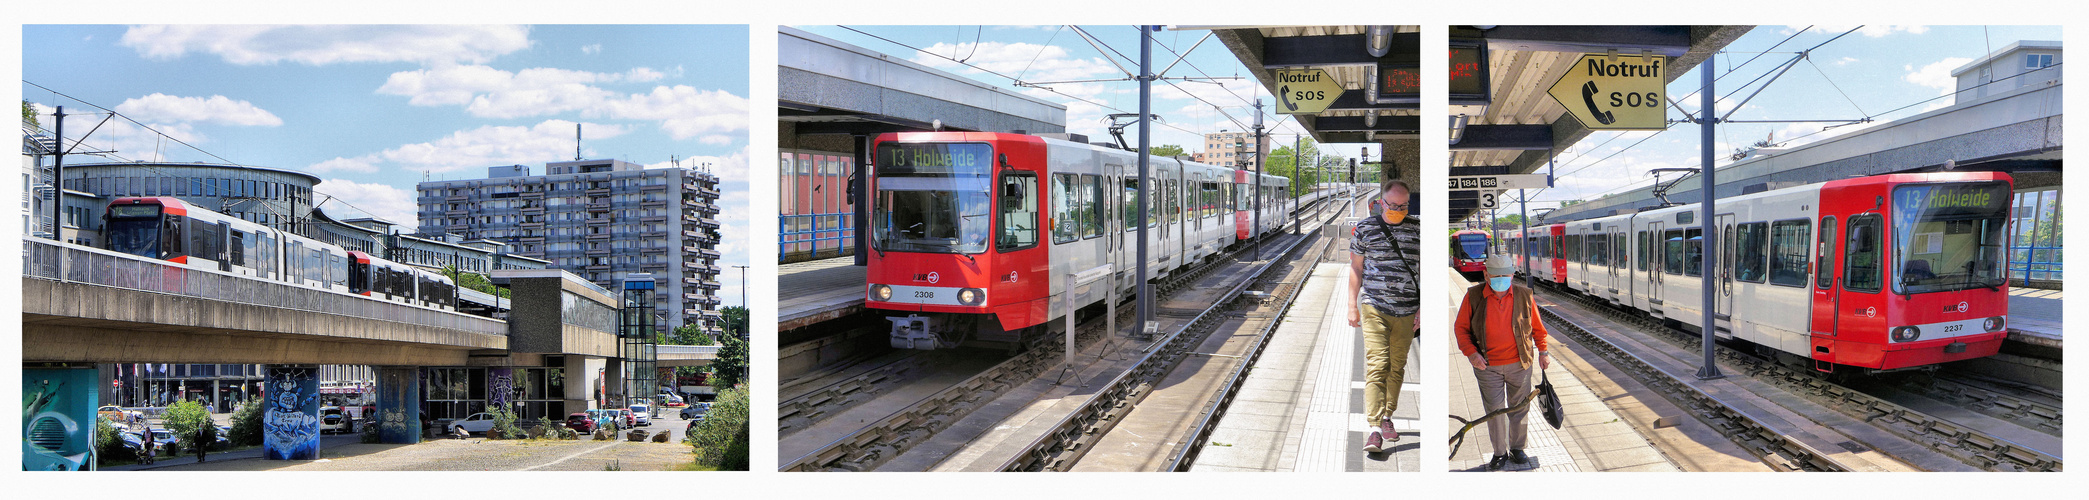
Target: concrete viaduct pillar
(399, 405)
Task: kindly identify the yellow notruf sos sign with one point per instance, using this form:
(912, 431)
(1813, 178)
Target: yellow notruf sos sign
(1621, 93)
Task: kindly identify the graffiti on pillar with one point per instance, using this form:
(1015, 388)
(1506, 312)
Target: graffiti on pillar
(58, 418)
(398, 406)
(503, 382)
(290, 421)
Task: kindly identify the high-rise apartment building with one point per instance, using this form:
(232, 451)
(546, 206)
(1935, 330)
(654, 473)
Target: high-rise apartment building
(600, 219)
(1230, 149)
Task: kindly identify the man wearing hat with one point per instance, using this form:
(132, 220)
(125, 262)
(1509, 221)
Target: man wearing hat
(1384, 251)
(1499, 332)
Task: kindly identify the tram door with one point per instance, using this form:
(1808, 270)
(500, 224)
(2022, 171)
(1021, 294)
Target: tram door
(1825, 293)
(1722, 315)
(1658, 247)
(1113, 243)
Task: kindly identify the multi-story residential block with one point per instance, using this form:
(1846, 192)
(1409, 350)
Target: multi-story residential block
(600, 219)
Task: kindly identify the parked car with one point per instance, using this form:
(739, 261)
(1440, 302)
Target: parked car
(581, 422)
(120, 416)
(165, 442)
(630, 421)
(669, 399)
(604, 419)
(335, 419)
(695, 413)
(643, 414)
(477, 423)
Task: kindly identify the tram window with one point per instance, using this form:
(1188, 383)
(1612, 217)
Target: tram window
(1174, 209)
(1018, 211)
(239, 248)
(1751, 251)
(1598, 249)
(1672, 251)
(1091, 189)
(1129, 190)
(1064, 220)
(1862, 253)
(1788, 246)
(1694, 258)
(1619, 244)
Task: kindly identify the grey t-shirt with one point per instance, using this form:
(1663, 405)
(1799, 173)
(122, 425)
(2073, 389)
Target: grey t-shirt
(1389, 281)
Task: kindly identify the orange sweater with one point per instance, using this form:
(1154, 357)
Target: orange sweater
(1501, 342)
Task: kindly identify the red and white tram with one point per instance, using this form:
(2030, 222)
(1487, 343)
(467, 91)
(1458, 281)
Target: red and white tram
(973, 233)
(1883, 272)
(172, 230)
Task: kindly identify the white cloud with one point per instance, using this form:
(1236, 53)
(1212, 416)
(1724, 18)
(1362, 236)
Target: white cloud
(591, 49)
(1936, 75)
(495, 145)
(361, 164)
(162, 108)
(125, 141)
(372, 199)
(1845, 61)
(321, 45)
(682, 111)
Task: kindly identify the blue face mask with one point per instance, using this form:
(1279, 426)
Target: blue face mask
(1500, 283)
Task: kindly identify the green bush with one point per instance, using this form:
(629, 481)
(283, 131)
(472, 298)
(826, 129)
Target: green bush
(185, 418)
(504, 424)
(108, 444)
(723, 433)
(246, 424)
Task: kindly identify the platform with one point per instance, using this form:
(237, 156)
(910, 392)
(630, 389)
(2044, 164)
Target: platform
(1301, 408)
(2034, 316)
(808, 293)
(1593, 438)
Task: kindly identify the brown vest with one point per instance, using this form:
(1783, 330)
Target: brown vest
(1519, 322)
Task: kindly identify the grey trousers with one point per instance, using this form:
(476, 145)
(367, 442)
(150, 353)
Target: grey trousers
(1498, 385)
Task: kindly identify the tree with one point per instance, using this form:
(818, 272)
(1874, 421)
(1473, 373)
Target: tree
(720, 441)
(1510, 221)
(730, 368)
(688, 334)
(1168, 150)
(735, 320)
(184, 419)
(474, 281)
(29, 115)
(246, 424)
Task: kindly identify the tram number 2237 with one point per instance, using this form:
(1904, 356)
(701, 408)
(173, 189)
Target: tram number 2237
(920, 294)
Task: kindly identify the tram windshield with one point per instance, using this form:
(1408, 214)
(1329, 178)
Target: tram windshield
(933, 198)
(1949, 236)
(134, 229)
(1473, 245)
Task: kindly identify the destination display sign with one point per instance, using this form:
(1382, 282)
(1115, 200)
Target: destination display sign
(1960, 198)
(1615, 93)
(1468, 72)
(1399, 82)
(899, 157)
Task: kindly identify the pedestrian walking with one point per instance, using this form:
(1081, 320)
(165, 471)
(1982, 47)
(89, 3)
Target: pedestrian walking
(1384, 251)
(1501, 335)
(205, 436)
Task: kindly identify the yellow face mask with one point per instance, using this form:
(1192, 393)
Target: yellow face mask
(1391, 215)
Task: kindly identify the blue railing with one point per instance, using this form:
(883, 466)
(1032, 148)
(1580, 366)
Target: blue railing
(842, 235)
(2031, 263)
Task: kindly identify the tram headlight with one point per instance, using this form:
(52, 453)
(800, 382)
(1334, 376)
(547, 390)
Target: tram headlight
(1906, 334)
(971, 296)
(881, 292)
(1995, 324)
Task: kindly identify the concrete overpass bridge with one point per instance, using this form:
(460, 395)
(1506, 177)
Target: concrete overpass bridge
(686, 355)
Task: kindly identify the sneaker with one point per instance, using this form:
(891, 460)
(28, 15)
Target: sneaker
(1517, 457)
(1375, 443)
(1385, 427)
(1497, 463)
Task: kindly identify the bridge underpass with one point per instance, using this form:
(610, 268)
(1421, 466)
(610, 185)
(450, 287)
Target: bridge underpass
(84, 306)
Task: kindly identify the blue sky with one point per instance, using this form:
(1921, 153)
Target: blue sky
(1879, 68)
(1055, 53)
(373, 109)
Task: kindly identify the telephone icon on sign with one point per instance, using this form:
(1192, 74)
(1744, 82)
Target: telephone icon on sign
(1588, 96)
(1284, 92)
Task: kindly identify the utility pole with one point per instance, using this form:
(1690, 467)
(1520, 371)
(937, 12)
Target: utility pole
(58, 178)
(1145, 303)
(1707, 221)
(743, 304)
(1257, 224)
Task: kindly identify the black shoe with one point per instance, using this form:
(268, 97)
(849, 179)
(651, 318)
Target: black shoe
(1497, 463)
(1517, 457)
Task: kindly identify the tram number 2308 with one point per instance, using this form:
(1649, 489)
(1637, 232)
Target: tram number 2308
(924, 294)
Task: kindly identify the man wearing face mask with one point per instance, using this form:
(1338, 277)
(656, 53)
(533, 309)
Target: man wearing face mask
(1499, 332)
(1384, 252)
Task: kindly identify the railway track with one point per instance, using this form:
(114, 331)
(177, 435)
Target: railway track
(1948, 437)
(917, 419)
